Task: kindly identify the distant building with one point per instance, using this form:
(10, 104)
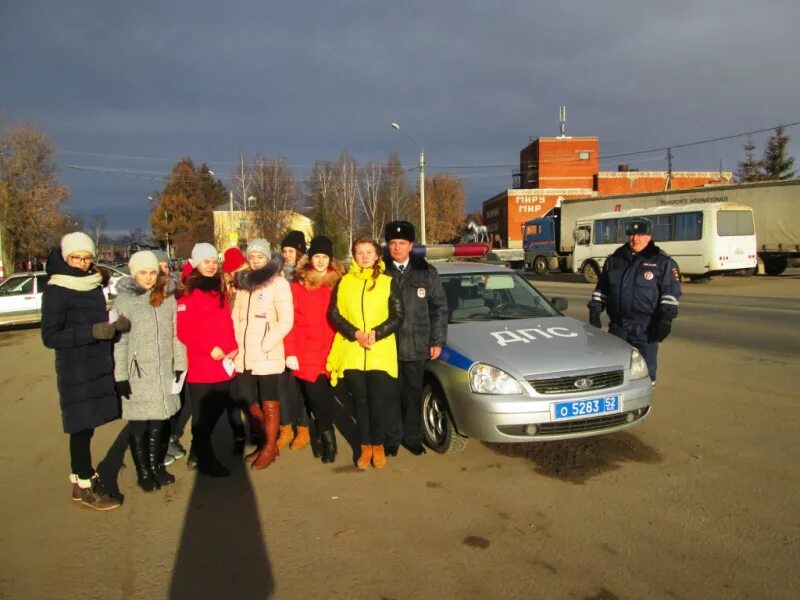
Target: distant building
(552, 169)
(236, 228)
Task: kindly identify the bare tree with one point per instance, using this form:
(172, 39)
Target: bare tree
(369, 195)
(345, 199)
(273, 186)
(97, 227)
(396, 192)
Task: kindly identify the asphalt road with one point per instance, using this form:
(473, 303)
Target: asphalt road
(700, 501)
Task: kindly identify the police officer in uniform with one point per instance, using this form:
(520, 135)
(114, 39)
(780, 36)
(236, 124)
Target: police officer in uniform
(421, 337)
(639, 288)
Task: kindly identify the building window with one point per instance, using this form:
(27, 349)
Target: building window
(584, 155)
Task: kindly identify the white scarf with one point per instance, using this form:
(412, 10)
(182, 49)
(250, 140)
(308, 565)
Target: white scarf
(79, 284)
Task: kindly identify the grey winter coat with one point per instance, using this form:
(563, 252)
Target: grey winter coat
(149, 354)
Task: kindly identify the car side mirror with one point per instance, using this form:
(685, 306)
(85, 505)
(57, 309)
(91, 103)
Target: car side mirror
(559, 303)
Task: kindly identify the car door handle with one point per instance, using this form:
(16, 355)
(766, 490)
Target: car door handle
(30, 297)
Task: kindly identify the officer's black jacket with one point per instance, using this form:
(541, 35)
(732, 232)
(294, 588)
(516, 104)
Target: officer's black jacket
(425, 322)
(638, 287)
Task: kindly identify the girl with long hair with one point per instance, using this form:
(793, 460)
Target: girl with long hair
(147, 361)
(309, 342)
(205, 327)
(262, 316)
(366, 313)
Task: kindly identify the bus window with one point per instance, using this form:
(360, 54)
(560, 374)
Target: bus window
(687, 226)
(583, 235)
(734, 222)
(605, 231)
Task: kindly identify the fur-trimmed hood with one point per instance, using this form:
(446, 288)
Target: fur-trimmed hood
(252, 280)
(310, 279)
(127, 285)
(650, 251)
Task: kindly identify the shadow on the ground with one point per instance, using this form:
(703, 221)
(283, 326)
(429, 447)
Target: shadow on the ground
(222, 551)
(578, 460)
(343, 420)
(113, 462)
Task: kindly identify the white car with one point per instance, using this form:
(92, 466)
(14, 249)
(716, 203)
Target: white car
(21, 298)
(117, 273)
(21, 295)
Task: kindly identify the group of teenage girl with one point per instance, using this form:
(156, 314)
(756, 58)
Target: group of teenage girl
(262, 334)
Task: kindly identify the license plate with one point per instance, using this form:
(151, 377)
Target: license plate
(585, 408)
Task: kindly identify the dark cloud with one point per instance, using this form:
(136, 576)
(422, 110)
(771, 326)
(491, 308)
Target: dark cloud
(472, 81)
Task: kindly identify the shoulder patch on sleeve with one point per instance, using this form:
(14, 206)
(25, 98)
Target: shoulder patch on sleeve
(676, 274)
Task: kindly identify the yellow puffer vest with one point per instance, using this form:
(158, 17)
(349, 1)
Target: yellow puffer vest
(365, 308)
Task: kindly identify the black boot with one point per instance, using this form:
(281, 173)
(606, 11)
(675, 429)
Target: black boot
(156, 450)
(207, 463)
(144, 476)
(328, 446)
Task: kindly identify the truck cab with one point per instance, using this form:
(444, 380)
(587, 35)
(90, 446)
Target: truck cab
(541, 243)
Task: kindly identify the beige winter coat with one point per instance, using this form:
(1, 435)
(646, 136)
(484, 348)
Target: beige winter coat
(263, 314)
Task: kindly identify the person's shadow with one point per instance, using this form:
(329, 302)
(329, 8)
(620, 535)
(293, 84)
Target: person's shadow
(222, 552)
(343, 420)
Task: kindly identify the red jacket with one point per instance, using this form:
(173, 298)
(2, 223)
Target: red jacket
(312, 335)
(202, 325)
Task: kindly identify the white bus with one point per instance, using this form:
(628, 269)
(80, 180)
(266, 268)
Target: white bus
(704, 239)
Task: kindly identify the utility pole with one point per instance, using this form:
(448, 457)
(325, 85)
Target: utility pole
(669, 169)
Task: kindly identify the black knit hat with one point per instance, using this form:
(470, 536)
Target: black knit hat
(295, 239)
(321, 245)
(639, 225)
(398, 230)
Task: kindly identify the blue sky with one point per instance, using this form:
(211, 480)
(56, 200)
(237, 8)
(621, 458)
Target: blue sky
(125, 90)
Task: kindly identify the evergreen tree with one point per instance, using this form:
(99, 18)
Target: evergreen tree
(749, 169)
(777, 164)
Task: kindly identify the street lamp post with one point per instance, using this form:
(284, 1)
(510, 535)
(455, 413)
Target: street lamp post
(421, 183)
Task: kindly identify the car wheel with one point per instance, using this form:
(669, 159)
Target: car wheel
(437, 426)
(540, 265)
(590, 272)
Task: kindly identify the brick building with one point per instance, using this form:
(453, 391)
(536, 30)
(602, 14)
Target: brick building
(556, 168)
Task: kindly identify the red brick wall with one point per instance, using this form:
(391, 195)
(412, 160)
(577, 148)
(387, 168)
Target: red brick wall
(640, 182)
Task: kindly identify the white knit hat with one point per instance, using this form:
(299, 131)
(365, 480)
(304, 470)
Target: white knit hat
(77, 241)
(144, 259)
(258, 245)
(202, 251)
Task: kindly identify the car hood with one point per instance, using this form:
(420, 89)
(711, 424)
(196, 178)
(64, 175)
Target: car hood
(538, 346)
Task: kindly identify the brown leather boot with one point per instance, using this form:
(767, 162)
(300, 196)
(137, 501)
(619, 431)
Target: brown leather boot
(302, 439)
(287, 435)
(378, 457)
(364, 460)
(255, 416)
(272, 421)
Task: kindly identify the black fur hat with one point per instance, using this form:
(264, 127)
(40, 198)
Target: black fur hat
(399, 230)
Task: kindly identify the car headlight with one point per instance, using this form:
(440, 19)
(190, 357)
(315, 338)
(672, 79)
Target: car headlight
(638, 365)
(486, 379)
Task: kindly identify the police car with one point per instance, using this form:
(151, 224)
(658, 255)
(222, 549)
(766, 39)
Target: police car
(516, 370)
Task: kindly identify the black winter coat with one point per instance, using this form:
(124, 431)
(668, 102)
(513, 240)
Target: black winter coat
(84, 365)
(425, 304)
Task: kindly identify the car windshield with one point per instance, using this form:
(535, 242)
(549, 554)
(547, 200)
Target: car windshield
(17, 285)
(493, 296)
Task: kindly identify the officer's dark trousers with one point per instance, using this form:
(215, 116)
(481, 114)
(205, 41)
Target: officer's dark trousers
(372, 391)
(405, 412)
(636, 335)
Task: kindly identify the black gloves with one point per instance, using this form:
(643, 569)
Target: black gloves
(103, 331)
(661, 329)
(122, 324)
(178, 376)
(123, 389)
(594, 319)
(106, 331)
